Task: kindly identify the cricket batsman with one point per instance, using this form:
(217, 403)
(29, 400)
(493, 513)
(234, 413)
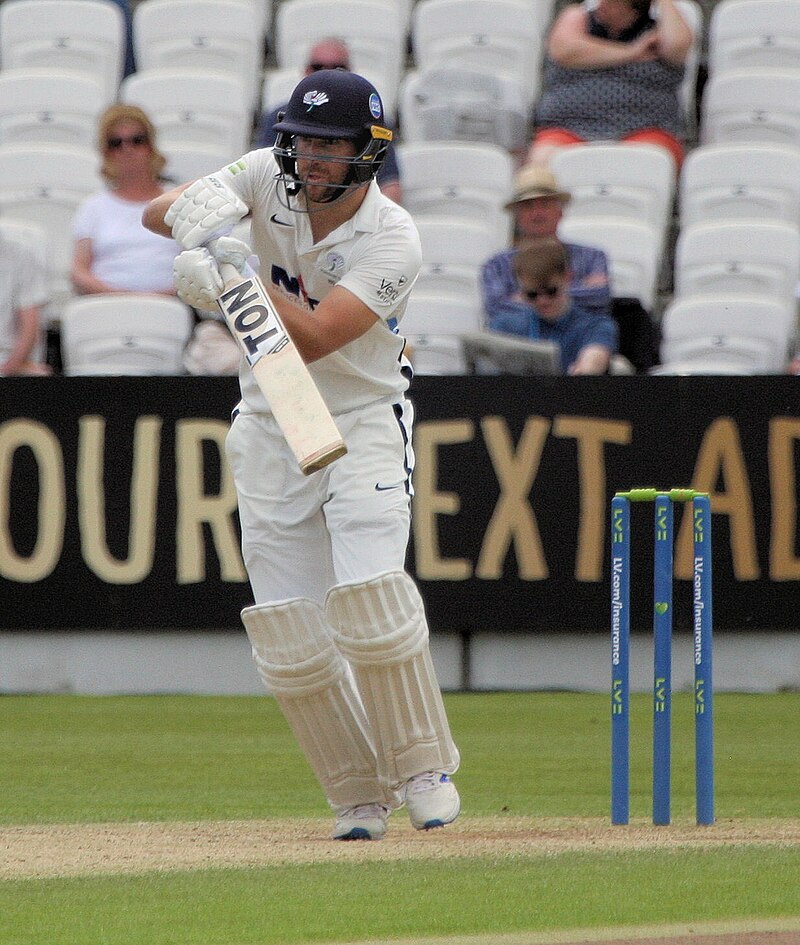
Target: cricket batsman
(338, 628)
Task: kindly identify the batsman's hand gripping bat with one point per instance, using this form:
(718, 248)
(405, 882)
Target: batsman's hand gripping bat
(281, 373)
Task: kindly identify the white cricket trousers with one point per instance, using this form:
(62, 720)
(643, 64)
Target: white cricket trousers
(301, 535)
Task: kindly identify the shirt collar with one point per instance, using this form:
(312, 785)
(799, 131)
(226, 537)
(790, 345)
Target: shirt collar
(364, 220)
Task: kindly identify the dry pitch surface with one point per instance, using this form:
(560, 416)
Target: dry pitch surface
(92, 849)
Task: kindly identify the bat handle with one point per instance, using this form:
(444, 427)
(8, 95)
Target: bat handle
(229, 272)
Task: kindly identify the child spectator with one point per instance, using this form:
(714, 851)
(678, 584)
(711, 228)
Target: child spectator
(587, 341)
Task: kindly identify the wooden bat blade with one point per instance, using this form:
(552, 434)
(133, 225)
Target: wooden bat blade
(299, 409)
(280, 372)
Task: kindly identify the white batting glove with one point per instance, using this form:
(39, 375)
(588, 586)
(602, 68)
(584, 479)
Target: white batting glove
(234, 252)
(207, 208)
(197, 278)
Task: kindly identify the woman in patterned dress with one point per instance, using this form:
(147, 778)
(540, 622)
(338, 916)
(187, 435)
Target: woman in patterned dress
(613, 72)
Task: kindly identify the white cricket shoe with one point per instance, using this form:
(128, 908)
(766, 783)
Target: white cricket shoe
(431, 800)
(365, 822)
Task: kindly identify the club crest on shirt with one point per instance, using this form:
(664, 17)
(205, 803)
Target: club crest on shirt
(332, 264)
(314, 98)
(389, 289)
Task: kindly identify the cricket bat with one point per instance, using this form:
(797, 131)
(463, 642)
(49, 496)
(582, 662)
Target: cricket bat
(281, 373)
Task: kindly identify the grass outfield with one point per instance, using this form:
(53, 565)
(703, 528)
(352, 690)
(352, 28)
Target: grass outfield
(322, 903)
(83, 760)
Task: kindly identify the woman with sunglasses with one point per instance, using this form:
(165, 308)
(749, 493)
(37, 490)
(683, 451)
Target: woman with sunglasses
(113, 252)
(587, 340)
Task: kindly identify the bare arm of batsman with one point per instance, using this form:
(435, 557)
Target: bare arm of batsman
(338, 319)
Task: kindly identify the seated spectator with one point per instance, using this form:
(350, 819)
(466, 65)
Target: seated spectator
(612, 72)
(113, 251)
(538, 204)
(22, 295)
(333, 54)
(587, 340)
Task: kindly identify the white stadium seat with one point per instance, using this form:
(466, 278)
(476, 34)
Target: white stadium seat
(748, 257)
(452, 240)
(45, 184)
(462, 104)
(450, 282)
(432, 325)
(86, 36)
(204, 35)
(124, 333)
(264, 11)
(759, 181)
(720, 363)
(746, 34)
(277, 87)
(453, 251)
(406, 7)
(50, 105)
(752, 332)
(189, 163)
(205, 109)
(470, 180)
(434, 314)
(620, 180)
(752, 105)
(495, 36)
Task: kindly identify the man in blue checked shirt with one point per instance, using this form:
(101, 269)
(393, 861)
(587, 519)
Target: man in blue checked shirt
(538, 204)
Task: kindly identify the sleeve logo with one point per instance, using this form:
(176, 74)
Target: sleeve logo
(388, 290)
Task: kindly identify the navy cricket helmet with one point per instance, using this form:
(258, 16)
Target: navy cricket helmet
(333, 103)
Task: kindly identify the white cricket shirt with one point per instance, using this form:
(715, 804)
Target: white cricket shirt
(376, 255)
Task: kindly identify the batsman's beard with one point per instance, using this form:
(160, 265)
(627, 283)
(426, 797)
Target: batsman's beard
(296, 188)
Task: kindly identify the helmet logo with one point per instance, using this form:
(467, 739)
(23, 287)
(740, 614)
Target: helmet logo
(375, 105)
(314, 98)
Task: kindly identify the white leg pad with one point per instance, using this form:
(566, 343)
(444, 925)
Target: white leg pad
(381, 629)
(299, 664)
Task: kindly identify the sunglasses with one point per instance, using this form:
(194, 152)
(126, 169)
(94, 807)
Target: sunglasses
(114, 144)
(549, 290)
(317, 66)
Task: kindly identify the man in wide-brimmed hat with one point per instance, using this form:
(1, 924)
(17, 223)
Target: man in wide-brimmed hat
(537, 204)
